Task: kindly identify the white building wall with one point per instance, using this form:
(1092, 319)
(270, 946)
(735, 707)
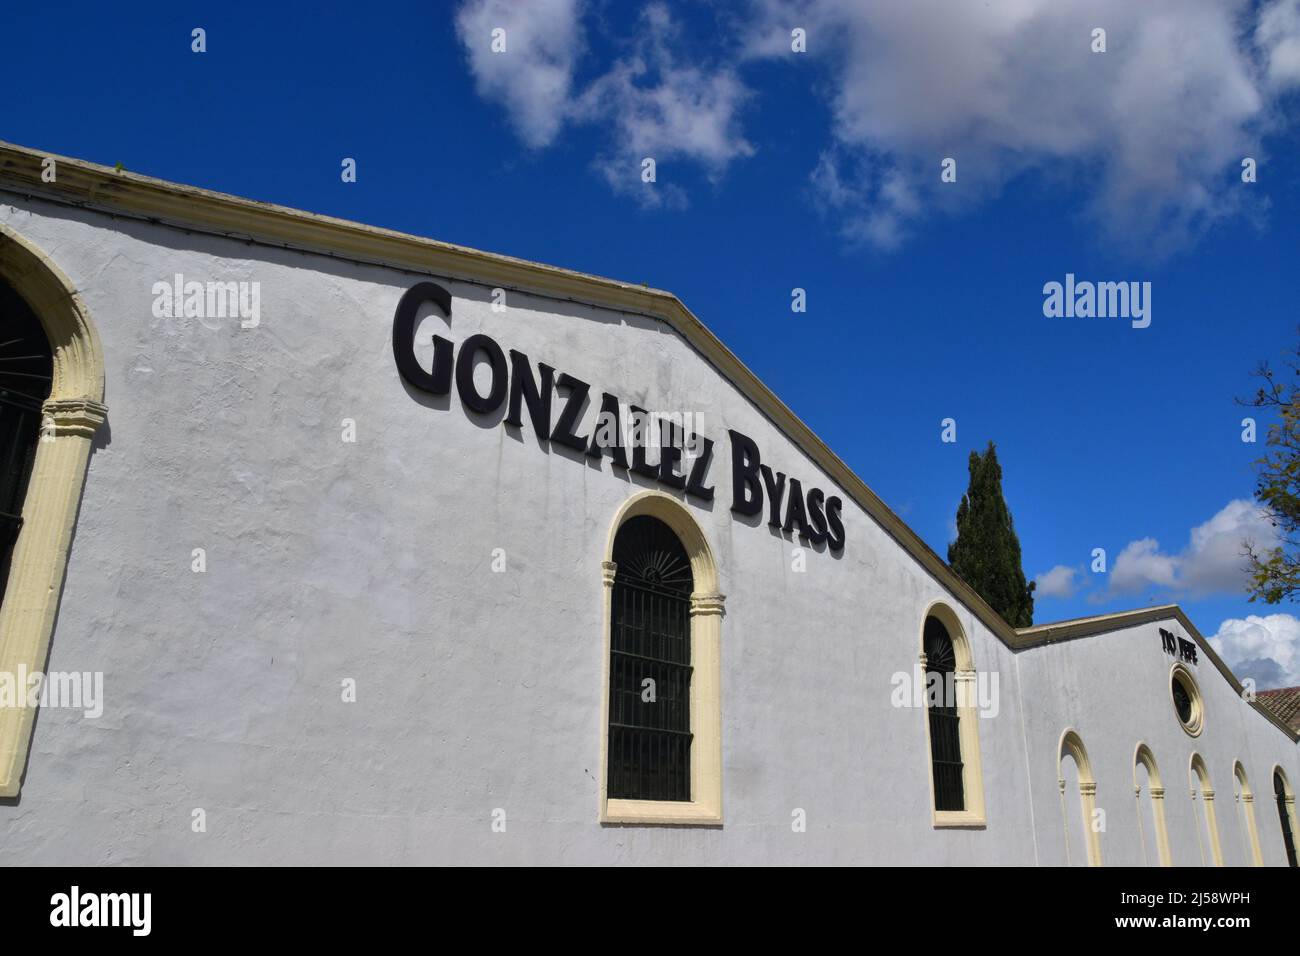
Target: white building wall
(1113, 689)
(479, 690)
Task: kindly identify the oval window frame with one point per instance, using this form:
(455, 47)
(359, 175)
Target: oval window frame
(1179, 674)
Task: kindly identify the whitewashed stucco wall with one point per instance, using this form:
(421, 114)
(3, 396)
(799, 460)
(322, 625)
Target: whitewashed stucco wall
(1113, 689)
(475, 690)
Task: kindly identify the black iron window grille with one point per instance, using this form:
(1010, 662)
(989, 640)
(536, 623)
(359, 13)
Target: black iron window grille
(1288, 838)
(650, 665)
(26, 369)
(945, 722)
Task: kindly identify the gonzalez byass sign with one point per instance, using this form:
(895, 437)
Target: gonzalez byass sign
(515, 383)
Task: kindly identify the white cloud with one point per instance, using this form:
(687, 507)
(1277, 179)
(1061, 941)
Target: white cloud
(533, 77)
(1154, 128)
(651, 103)
(664, 110)
(1278, 37)
(1060, 582)
(1141, 565)
(1266, 649)
(1212, 562)
(1151, 133)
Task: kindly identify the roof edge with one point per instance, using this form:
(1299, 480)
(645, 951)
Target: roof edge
(1041, 635)
(104, 188)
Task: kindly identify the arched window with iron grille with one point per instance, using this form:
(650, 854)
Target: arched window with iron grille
(26, 369)
(650, 664)
(1288, 837)
(945, 733)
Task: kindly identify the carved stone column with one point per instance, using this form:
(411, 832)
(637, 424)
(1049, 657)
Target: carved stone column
(39, 564)
(707, 611)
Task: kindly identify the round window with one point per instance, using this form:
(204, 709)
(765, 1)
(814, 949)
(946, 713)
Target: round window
(1182, 702)
(1187, 699)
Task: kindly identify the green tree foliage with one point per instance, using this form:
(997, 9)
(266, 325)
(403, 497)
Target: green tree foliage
(986, 553)
(1275, 571)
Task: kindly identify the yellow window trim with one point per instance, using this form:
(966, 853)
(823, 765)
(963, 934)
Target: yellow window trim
(1246, 798)
(1072, 744)
(1194, 726)
(972, 773)
(40, 558)
(1202, 785)
(705, 806)
(1143, 756)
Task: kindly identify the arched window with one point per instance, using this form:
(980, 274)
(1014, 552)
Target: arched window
(1286, 813)
(1145, 762)
(650, 665)
(945, 722)
(1071, 748)
(952, 721)
(1207, 826)
(662, 746)
(1246, 811)
(53, 477)
(26, 373)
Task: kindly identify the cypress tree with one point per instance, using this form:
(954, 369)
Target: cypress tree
(986, 554)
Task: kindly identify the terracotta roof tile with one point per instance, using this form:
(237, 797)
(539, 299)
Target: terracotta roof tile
(1285, 702)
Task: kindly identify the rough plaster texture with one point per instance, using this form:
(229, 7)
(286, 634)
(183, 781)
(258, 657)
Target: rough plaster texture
(479, 690)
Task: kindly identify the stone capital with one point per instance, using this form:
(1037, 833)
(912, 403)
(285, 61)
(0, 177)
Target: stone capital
(707, 604)
(71, 416)
(607, 571)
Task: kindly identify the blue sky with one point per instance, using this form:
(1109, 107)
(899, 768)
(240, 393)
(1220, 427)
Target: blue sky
(817, 170)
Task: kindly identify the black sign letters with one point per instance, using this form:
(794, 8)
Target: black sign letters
(682, 461)
(1177, 646)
